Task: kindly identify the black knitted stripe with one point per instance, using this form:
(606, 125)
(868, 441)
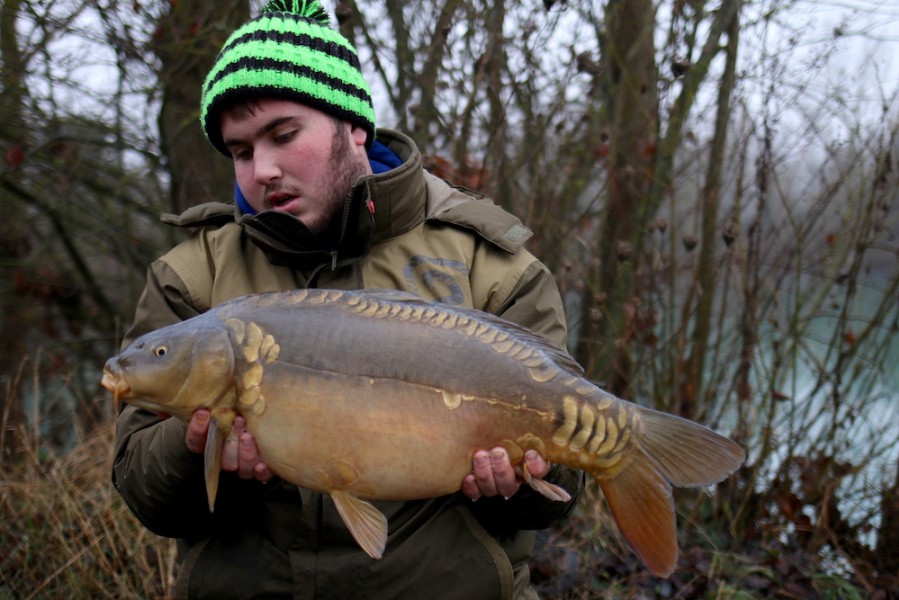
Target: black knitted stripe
(268, 64)
(295, 39)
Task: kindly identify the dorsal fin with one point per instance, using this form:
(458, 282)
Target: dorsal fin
(558, 355)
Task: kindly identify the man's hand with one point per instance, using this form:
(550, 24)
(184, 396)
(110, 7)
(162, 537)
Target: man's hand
(492, 473)
(239, 452)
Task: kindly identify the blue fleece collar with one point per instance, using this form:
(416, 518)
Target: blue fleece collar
(382, 158)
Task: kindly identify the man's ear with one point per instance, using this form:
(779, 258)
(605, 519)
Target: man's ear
(358, 134)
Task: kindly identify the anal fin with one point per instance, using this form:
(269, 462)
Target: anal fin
(545, 488)
(367, 524)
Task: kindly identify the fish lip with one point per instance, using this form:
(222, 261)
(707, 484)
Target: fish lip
(116, 384)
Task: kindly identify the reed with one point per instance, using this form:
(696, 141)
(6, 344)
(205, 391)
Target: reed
(65, 531)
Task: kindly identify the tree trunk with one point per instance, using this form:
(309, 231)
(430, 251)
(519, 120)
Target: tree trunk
(630, 87)
(706, 267)
(886, 557)
(427, 80)
(15, 240)
(188, 39)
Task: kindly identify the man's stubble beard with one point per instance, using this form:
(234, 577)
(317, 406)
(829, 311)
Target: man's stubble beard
(348, 168)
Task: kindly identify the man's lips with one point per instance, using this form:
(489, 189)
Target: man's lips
(281, 201)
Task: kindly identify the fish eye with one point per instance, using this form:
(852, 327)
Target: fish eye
(160, 351)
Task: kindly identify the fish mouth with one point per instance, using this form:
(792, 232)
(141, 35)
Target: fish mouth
(116, 384)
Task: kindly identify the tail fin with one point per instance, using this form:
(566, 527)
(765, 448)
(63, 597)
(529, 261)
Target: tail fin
(641, 502)
(672, 452)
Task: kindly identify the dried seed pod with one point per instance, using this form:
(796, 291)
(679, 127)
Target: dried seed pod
(729, 234)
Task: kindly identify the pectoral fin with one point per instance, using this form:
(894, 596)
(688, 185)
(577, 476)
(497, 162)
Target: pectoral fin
(366, 523)
(212, 461)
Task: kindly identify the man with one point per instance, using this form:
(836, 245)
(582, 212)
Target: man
(321, 202)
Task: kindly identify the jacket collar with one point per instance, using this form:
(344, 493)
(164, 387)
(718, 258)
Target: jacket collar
(379, 207)
(399, 196)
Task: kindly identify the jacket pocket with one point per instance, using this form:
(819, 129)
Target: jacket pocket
(501, 560)
(185, 569)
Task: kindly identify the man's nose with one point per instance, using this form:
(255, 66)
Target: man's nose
(266, 168)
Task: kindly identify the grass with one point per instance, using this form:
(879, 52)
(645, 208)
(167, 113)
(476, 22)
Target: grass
(65, 531)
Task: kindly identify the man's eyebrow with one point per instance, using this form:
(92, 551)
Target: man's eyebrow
(274, 123)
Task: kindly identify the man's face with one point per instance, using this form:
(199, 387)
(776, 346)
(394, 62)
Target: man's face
(295, 159)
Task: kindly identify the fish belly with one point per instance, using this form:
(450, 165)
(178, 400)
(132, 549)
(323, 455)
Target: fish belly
(379, 438)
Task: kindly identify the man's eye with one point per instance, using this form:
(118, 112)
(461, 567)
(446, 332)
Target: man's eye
(241, 154)
(286, 136)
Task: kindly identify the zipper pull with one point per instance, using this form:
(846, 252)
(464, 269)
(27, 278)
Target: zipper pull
(333, 260)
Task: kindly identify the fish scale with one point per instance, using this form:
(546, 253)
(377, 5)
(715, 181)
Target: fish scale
(379, 395)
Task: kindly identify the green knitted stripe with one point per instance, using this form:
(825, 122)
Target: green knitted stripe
(317, 60)
(291, 84)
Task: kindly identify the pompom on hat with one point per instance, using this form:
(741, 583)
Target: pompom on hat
(288, 52)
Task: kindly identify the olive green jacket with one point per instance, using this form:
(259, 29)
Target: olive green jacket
(403, 229)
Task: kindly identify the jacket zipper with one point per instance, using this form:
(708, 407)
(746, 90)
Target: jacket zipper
(344, 223)
(275, 235)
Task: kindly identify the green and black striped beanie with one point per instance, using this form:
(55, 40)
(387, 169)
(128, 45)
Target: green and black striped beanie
(290, 52)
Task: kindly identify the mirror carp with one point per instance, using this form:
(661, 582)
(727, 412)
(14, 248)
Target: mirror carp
(379, 395)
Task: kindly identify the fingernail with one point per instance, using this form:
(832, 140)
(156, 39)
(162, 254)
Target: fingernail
(202, 416)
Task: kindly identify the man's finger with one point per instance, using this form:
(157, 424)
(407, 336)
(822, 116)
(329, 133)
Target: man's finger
(197, 428)
(470, 487)
(231, 447)
(262, 473)
(483, 473)
(503, 474)
(537, 465)
(248, 456)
